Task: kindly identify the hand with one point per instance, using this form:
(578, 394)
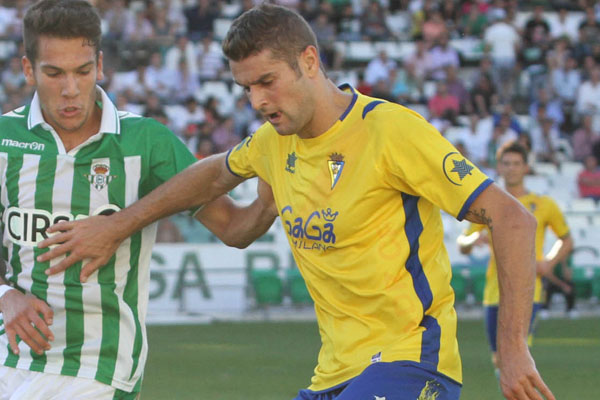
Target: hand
(519, 378)
(22, 316)
(95, 239)
(543, 267)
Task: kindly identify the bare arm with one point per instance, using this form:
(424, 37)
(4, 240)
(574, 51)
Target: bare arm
(97, 238)
(559, 252)
(240, 226)
(513, 236)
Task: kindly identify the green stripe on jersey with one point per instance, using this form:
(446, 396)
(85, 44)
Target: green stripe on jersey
(131, 297)
(43, 201)
(73, 288)
(110, 303)
(13, 169)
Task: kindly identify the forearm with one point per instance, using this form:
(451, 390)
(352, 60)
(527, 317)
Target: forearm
(514, 249)
(197, 185)
(235, 225)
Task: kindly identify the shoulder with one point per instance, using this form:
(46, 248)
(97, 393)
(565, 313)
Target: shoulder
(136, 124)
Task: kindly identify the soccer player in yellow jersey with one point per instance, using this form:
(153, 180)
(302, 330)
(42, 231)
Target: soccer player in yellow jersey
(512, 167)
(358, 183)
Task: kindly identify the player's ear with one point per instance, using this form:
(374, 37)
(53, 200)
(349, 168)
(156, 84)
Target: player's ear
(28, 70)
(99, 67)
(310, 61)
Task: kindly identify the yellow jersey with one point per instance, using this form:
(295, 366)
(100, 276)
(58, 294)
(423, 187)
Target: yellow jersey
(547, 214)
(361, 207)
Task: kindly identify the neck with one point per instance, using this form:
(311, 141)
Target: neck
(516, 190)
(330, 103)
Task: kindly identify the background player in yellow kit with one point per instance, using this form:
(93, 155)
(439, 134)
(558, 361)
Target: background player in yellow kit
(513, 167)
(358, 183)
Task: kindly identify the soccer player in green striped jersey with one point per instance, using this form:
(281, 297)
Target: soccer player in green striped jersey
(68, 155)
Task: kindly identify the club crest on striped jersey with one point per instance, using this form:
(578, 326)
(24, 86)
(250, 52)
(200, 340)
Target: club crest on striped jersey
(336, 165)
(100, 176)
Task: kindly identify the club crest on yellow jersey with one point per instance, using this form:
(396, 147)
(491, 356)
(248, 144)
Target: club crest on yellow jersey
(336, 165)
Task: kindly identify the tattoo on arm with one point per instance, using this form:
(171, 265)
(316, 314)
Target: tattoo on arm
(480, 217)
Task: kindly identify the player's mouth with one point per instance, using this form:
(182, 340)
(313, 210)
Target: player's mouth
(69, 112)
(274, 118)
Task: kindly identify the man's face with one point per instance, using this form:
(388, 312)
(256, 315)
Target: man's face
(512, 168)
(65, 75)
(277, 91)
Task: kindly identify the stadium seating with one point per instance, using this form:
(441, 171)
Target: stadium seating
(267, 286)
(297, 287)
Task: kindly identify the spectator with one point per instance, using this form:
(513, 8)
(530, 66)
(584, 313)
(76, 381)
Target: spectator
(379, 68)
(562, 27)
(154, 109)
(441, 57)
(373, 23)
(138, 28)
(457, 88)
(164, 29)
(324, 30)
(545, 140)
(589, 179)
(362, 86)
(205, 148)
(588, 97)
(473, 23)
(185, 82)
(420, 62)
(506, 111)
(242, 116)
(565, 81)
(434, 27)
(502, 42)
(553, 106)
(210, 59)
(183, 49)
(404, 85)
(584, 139)
(537, 22)
(475, 138)
(12, 77)
(348, 25)
(158, 77)
(200, 19)
(483, 96)
(589, 29)
(443, 104)
(224, 136)
(190, 114)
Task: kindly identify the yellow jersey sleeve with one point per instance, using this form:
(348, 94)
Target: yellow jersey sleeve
(433, 168)
(250, 157)
(472, 228)
(557, 220)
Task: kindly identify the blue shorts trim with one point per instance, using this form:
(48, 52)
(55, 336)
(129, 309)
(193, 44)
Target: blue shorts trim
(399, 380)
(491, 323)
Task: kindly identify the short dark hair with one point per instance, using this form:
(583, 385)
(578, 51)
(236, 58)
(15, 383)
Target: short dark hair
(269, 27)
(513, 147)
(65, 19)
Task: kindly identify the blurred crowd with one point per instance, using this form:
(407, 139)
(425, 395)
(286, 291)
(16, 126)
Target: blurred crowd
(536, 76)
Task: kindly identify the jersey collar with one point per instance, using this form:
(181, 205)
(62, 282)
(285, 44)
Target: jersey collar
(108, 124)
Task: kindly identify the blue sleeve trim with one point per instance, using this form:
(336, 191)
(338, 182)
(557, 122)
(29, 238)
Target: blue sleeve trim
(228, 166)
(472, 197)
(369, 107)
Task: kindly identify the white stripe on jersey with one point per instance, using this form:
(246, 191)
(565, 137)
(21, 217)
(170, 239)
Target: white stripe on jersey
(91, 294)
(61, 200)
(127, 328)
(27, 188)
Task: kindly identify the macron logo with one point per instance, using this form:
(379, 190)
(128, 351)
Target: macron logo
(23, 145)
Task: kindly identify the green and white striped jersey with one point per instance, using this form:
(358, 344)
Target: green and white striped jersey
(99, 325)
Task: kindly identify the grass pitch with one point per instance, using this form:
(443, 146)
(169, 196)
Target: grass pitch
(273, 360)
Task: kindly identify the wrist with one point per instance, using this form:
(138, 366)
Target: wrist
(5, 288)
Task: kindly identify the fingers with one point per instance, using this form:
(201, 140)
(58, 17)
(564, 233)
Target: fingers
(43, 324)
(543, 388)
(61, 240)
(64, 264)
(60, 227)
(90, 268)
(12, 341)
